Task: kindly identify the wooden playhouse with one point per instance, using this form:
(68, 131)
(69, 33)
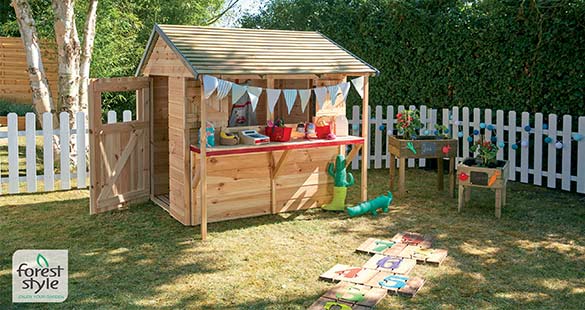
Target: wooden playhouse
(196, 183)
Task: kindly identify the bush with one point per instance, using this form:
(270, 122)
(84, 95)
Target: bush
(499, 54)
(18, 108)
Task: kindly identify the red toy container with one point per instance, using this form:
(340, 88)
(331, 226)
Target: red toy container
(278, 134)
(323, 131)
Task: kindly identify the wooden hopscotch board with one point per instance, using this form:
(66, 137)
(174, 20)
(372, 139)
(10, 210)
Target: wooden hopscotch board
(409, 238)
(406, 245)
(397, 284)
(393, 264)
(354, 295)
(427, 256)
(348, 273)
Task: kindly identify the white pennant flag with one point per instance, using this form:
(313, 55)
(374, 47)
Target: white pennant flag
(223, 88)
(304, 95)
(320, 94)
(358, 83)
(344, 89)
(209, 85)
(333, 93)
(290, 95)
(237, 92)
(254, 93)
(272, 96)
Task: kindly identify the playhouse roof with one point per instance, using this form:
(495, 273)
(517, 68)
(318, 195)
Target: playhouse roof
(216, 51)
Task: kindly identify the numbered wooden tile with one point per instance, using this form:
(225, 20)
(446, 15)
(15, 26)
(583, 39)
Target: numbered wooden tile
(398, 284)
(362, 295)
(410, 238)
(395, 250)
(324, 303)
(394, 264)
(347, 273)
(428, 256)
(375, 246)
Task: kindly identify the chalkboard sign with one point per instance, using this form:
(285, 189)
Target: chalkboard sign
(428, 148)
(479, 178)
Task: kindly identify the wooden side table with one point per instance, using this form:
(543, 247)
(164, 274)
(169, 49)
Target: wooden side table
(431, 147)
(495, 179)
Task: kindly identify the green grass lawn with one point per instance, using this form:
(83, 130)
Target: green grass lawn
(532, 258)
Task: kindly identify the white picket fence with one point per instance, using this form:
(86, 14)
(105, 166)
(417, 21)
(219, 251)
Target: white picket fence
(527, 159)
(530, 162)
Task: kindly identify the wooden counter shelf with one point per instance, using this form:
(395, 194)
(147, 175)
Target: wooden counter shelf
(252, 180)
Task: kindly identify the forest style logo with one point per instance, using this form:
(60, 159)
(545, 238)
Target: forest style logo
(40, 276)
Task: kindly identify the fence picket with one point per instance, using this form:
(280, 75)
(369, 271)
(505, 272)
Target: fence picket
(389, 130)
(64, 139)
(551, 174)
(425, 127)
(48, 163)
(537, 157)
(566, 159)
(355, 131)
(398, 133)
(487, 115)
(411, 161)
(378, 138)
(524, 145)
(31, 153)
(455, 130)
(500, 132)
(511, 143)
(13, 182)
(581, 156)
(465, 132)
(81, 146)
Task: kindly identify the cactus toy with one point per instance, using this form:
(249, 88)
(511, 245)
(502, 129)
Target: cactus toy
(339, 174)
(381, 202)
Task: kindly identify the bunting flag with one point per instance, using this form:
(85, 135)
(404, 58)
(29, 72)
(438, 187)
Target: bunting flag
(304, 95)
(254, 93)
(358, 83)
(290, 95)
(209, 85)
(272, 96)
(320, 94)
(344, 90)
(237, 92)
(333, 93)
(223, 88)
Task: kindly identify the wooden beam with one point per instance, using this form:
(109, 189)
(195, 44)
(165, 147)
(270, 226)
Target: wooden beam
(365, 147)
(279, 164)
(95, 124)
(203, 162)
(121, 84)
(272, 183)
(354, 151)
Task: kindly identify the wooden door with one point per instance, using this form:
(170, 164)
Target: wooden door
(119, 151)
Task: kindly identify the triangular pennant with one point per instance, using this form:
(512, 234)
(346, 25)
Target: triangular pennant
(237, 92)
(223, 88)
(344, 89)
(209, 85)
(358, 83)
(254, 93)
(272, 96)
(333, 93)
(290, 95)
(320, 94)
(304, 95)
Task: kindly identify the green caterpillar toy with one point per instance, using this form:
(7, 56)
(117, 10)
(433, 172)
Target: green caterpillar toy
(381, 202)
(343, 180)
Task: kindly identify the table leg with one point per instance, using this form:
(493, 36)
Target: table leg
(461, 202)
(504, 195)
(467, 195)
(498, 203)
(440, 173)
(401, 175)
(452, 176)
(392, 170)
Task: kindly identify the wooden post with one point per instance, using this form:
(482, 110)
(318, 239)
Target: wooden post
(95, 125)
(452, 176)
(402, 175)
(440, 173)
(366, 146)
(203, 163)
(392, 170)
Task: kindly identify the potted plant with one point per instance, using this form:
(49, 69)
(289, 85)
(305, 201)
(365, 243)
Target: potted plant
(484, 169)
(409, 143)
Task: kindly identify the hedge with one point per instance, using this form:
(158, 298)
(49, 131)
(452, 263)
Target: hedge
(500, 54)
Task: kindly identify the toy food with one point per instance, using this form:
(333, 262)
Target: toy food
(226, 138)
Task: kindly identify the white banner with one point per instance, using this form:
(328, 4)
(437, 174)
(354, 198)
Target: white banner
(358, 84)
(272, 96)
(333, 90)
(223, 88)
(320, 94)
(209, 85)
(344, 90)
(254, 93)
(304, 95)
(237, 92)
(290, 95)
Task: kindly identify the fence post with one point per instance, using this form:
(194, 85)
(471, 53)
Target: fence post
(13, 180)
(81, 149)
(524, 145)
(551, 174)
(31, 153)
(581, 156)
(566, 159)
(48, 163)
(537, 175)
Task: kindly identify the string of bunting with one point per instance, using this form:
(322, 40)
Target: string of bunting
(212, 84)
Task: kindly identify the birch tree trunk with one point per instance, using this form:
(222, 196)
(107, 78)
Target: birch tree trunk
(86, 53)
(41, 94)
